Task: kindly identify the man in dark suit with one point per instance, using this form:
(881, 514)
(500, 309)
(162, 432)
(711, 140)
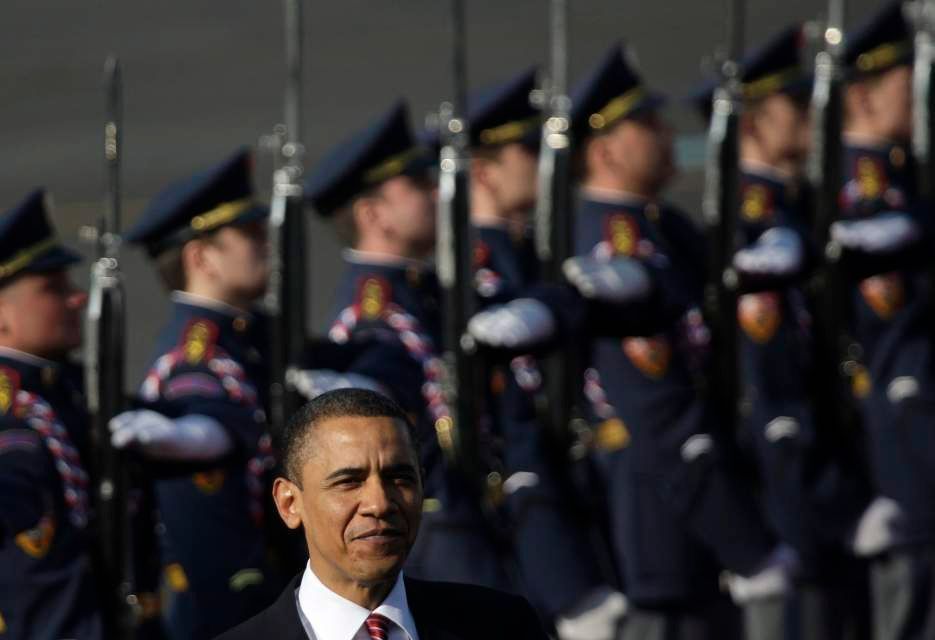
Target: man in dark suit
(353, 482)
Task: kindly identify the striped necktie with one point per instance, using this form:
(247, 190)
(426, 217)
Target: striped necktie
(377, 626)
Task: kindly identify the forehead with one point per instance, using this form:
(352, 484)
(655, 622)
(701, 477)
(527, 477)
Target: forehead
(31, 282)
(357, 440)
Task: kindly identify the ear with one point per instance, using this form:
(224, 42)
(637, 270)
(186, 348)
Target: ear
(365, 213)
(480, 171)
(193, 256)
(288, 499)
(855, 99)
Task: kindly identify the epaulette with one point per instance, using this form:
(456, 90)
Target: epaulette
(373, 296)
(199, 340)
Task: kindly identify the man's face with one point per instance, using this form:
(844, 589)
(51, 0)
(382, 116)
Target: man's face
(405, 211)
(511, 178)
(881, 106)
(238, 258)
(780, 127)
(639, 151)
(890, 102)
(40, 313)
(360, 501)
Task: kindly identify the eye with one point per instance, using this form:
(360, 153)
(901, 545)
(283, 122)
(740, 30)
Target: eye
(347, 482)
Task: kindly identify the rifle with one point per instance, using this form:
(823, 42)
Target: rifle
(454, 253)
(837, 353)
(554, 233)
(720, 207)
(104, 380)
(286, 294)
(923, 97)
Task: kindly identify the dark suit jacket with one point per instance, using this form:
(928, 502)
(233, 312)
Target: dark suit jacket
(441, 610)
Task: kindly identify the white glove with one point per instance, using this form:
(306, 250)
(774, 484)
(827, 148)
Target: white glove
(877, 529)
(520, 323)
(595, 617)
(616, 281)
(777, 252)
(311, 383)
(191, 437)
(883, 233)
(771, 580)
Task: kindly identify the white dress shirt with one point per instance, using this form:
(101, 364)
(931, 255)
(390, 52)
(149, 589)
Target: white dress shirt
(328, 616)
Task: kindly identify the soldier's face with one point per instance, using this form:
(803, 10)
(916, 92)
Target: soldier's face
(511, 178)
(40, 313)
(885, 102)
(360, 500)
(405, 210)
(779, 129)
(639, 151)
(237, 256)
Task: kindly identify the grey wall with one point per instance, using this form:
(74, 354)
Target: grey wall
(203, 77)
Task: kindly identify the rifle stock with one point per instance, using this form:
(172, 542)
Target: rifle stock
(837, 353)
(104, 380)
(720, 207)
(455, 250)
(554, 227)
(286, 294)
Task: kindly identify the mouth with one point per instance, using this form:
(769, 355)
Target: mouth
(380, 535)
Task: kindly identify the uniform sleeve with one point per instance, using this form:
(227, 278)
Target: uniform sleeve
(23, 467)
(215, 386)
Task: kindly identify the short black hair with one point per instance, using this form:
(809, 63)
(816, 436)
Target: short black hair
(339, 403)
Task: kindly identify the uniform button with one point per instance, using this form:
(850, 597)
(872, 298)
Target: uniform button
(652, 212)
(253, 355)
(240, 324)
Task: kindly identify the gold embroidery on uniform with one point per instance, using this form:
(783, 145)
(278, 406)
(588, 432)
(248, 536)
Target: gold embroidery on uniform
(373, 298)
(36, 542)
(884, 294)
(623, 234)
(612, 435)
(209, 482)
(870, 178)
(7, 391)
(759, 316)
(176, 578)
(650, 355)
(197, 341)
(756, 203)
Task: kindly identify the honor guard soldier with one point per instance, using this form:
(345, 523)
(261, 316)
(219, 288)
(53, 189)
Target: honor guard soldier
(201, 427)
(377, 190)
(801, 482)
(555, 555)
(884, 231)
(46, 588)
(677, 515)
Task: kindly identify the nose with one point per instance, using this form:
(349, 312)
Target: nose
(374, 500)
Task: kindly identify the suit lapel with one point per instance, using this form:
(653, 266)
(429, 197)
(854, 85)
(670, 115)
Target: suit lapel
(283, 618)
(423, 609)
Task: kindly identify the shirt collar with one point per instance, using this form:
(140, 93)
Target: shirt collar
(195, 300)
(765, 171)
(25, 358)
(384, 259)
(613, 196)
(333, 617)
